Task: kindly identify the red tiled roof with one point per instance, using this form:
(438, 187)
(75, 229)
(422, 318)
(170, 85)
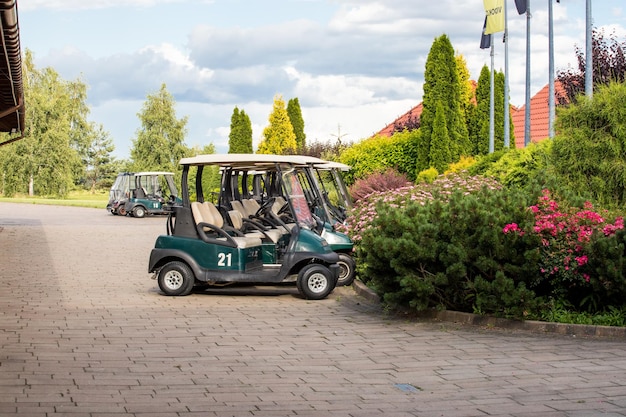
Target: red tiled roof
(539, 116)
(413, 114)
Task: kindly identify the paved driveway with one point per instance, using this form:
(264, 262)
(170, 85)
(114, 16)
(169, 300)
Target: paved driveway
(84, 331)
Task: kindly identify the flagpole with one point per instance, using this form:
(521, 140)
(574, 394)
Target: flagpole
(506, 79)
(589, 53)
(491, 105)
(527, 109)
(551, 111)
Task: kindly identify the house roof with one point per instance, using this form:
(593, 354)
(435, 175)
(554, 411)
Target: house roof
(539, 117)
(413, 114)
(11, 83)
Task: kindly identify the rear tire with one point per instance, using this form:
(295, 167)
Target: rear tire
(139, 212)
(176, 278)
(347, 270)
(315, 282)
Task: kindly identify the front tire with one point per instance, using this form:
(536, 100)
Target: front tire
(176, 278)
(315, 282)
(347, 270)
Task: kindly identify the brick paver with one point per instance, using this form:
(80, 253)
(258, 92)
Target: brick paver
(84, 331)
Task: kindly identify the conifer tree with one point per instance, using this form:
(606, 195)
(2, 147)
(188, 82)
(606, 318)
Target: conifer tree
(278, 136)
(441, 83)
(297, 122)
(240, 137)
(440, 142)
(479, 123)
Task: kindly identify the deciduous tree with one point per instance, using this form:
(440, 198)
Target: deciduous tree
(159, 144)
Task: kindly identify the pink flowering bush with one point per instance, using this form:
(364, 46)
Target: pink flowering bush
(566, 235)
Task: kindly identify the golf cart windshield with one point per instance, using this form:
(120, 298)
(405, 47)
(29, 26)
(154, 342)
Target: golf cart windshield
(293, 190)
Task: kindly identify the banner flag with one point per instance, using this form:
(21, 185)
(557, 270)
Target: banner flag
(485, 40)
(495, 16)
(522, 6)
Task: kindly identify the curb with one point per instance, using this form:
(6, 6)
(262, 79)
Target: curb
(574, 330)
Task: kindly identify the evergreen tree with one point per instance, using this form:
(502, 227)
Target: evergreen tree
(480, 118)
(100, 164)
(297, 122)
(440, 142)
(240, 137)
(479, 123)
(278, 136)
(441, 83)
(159, 144)
(466, 91)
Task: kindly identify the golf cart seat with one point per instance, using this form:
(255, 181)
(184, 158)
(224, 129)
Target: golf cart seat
(279, 202)
(210, 227)
(251, 208)
(250, 228)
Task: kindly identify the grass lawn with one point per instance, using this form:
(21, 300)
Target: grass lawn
(76, 198)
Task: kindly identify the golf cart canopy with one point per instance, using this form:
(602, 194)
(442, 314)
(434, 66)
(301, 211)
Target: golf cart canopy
(249, 161)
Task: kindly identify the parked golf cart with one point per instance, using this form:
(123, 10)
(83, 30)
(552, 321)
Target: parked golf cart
(119, 193)
(205, 246)
(150, 193)
(244, 185)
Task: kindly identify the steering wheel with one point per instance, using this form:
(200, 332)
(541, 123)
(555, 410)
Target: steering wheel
(265, 207)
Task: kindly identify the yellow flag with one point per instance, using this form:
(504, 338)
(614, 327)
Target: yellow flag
(495, 16)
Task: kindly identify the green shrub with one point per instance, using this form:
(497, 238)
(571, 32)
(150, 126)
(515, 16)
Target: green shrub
(427, 176)
(429, 254)
(377, 154)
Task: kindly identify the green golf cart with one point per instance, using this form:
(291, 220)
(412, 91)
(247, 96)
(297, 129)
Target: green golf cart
(211, 245)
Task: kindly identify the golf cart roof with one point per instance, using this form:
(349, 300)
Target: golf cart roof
(250, 161)
(333, 164)
(148, 173)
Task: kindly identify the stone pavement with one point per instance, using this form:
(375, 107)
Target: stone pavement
(84, 331)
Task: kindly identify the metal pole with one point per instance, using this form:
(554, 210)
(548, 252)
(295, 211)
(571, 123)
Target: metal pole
(506, 79)
(589, 54)
(527, 109)
(491, 105)
(551, 72)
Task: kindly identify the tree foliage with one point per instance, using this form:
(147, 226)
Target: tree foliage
(609, 64)
(48, 160)
(159, 144)
(100, 164)
(589, 153)
(441, 84)
(240, 137)
(278, 137)
(478, 125)
(378, 154)
(297, 122)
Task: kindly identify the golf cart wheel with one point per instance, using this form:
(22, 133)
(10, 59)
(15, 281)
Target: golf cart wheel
(121, 211)
(347, 270)
(176, 278)
(315, 282)
(139, 212)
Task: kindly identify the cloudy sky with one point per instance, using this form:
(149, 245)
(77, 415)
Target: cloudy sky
(354, 65)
